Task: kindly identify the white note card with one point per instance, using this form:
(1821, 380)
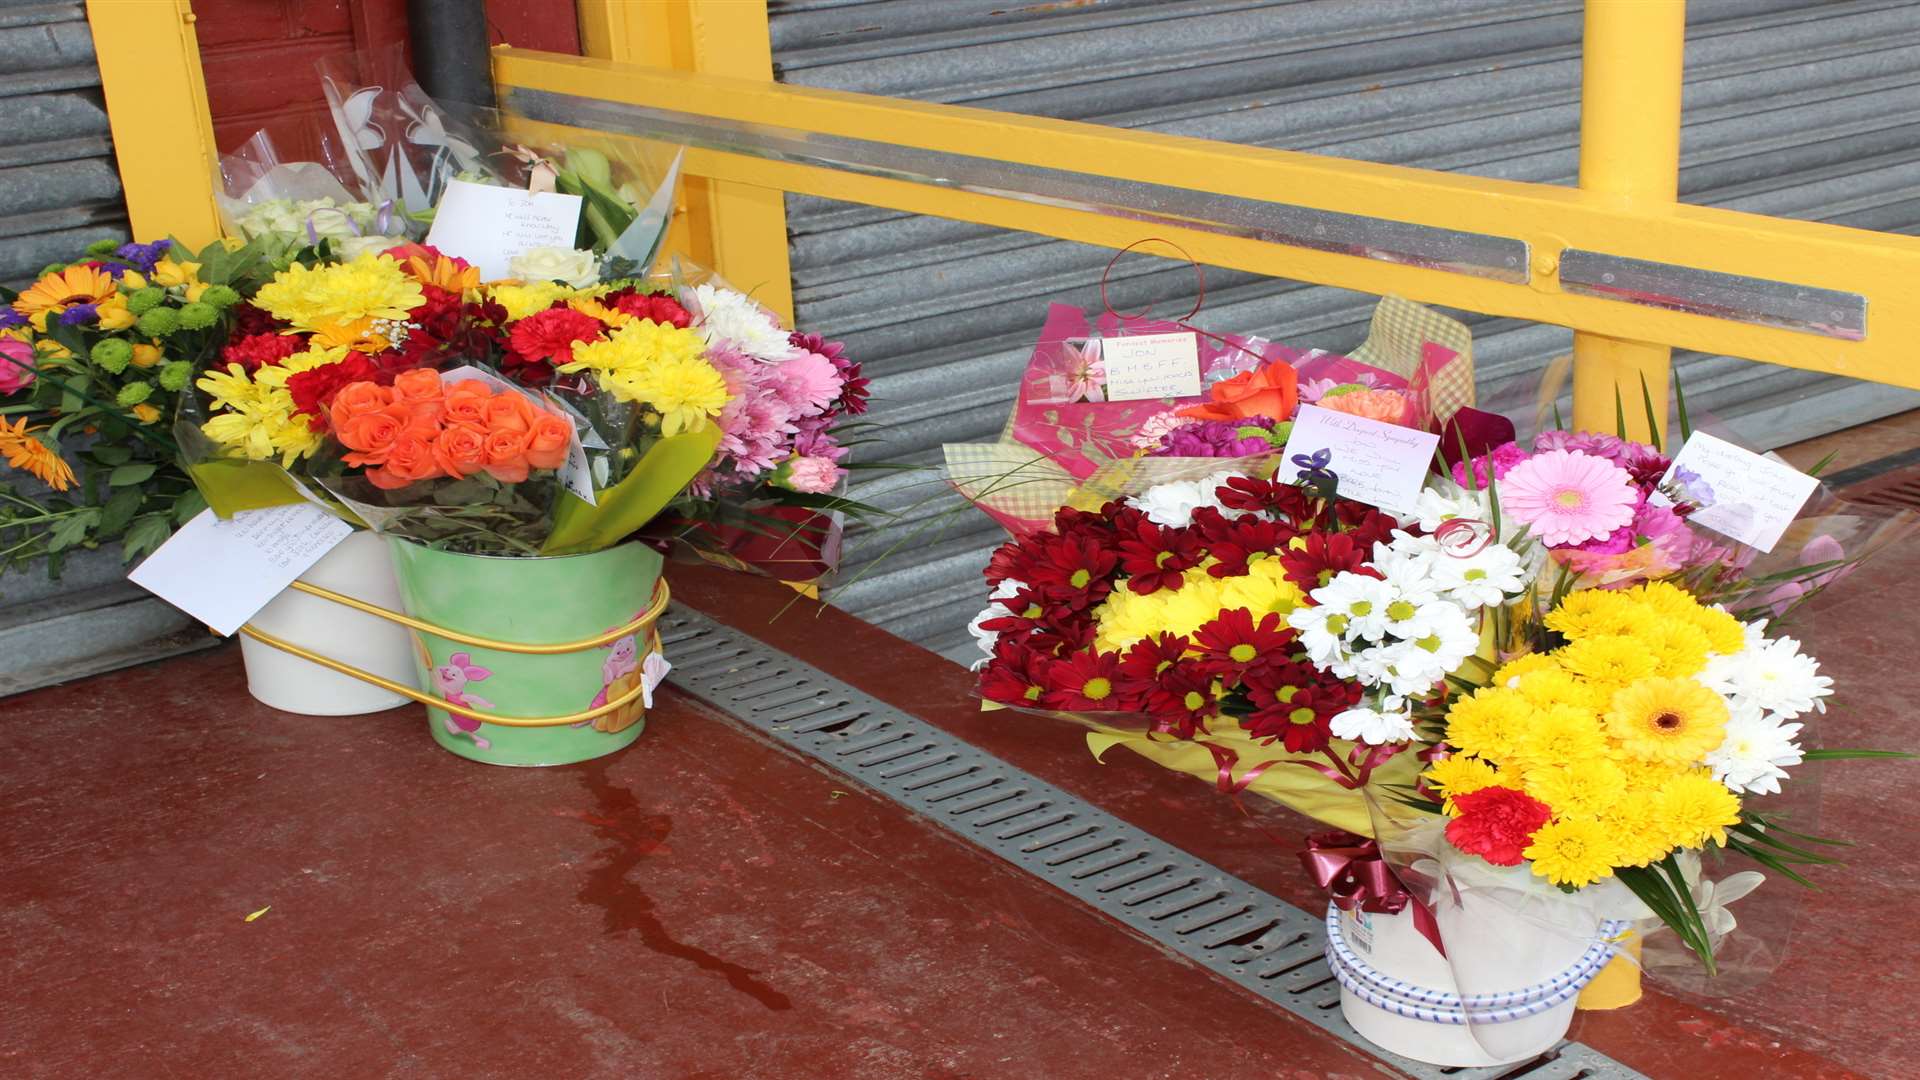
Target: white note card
(1142, 367)
(488, 225)
(223, 572)
(1381, 464)
(1740, 494)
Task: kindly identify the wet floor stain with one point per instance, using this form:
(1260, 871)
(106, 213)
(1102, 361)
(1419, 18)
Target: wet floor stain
(630, 837)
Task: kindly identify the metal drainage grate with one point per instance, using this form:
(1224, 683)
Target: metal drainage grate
(1250, 937)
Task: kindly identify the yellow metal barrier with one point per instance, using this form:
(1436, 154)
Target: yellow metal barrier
(149, 59)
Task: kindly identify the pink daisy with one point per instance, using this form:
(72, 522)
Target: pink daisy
(1568, 497)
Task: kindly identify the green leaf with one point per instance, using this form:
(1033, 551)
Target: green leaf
(119, 510)
(188, 505)
(69, 531)
(1619, 413)
(128, 475)
(1842, 754)
(1823, 463)
(1653, 419)
(1680, 406)
(148, 532)
(111, 455)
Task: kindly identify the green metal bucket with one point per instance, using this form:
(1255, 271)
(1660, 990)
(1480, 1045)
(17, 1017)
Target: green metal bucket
(529, 601)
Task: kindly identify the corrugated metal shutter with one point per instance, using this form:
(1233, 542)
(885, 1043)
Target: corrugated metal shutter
(58, 186)
(60, 190)
(1796, 108)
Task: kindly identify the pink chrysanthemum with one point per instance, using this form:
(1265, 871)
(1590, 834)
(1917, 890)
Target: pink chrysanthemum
(1568, 497)
(807, 382)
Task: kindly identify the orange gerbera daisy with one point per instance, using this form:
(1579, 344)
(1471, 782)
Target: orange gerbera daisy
(30, 455)
(62, 289)
(429, 267)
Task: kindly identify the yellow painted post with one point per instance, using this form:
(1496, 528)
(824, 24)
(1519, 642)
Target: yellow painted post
(735, 228)
(149, 58)
(1632, 62)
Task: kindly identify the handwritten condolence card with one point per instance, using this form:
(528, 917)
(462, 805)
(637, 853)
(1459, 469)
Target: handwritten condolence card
(1377, 463)
(488, 226)
(1741, 494)
(224, 572)
(1142, 367)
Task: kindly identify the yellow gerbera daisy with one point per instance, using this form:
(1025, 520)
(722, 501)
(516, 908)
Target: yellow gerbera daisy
(24, 451)
(1670, 720)
(62, 289)
(1573, 851)
(1694, 808)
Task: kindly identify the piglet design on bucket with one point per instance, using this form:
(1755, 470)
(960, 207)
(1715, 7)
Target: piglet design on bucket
(451, 679)
(620, 673)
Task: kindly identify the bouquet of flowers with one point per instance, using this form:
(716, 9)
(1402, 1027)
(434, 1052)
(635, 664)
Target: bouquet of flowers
(93, 356)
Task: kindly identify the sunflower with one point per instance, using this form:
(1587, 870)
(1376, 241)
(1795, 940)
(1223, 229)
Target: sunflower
(1694, 808)
(62, 289)
(1574, 851)
(27, 453)
(1671, 720)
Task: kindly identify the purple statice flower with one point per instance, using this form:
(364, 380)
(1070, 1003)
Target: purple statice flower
(1214, 438)
(10, 318)
(1692, 488)
(79, 314)
(143, 257)
(1505, 457)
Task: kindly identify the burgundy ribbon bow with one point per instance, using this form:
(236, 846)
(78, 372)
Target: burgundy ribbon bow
(1350, 868)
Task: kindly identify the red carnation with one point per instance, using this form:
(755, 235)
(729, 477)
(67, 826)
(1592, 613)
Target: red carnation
(257, 350)
(656, 306)
(550, 335)
(313, 390)
(1497, 824)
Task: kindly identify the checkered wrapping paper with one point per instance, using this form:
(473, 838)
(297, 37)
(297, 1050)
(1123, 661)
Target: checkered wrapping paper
(1396, 342)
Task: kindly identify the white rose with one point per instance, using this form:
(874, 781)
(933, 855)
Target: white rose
(576, 268)
(353, 247)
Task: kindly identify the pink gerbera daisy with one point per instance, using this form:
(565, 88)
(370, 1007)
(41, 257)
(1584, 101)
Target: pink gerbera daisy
(1567, 497)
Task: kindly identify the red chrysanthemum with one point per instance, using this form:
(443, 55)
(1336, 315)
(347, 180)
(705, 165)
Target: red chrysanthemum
(1147, 659)
(1365, 525)
(1234, 542)
(1008, 561)
(313, 390)
(1181, 699)
(249, 320)
(1497, 824)
(1016, 675)
(1320, 555)
(1287, 502)
(551, 335)
(1232, 641)
(257, 350)
(1073, 573)
(1293, 703)
(1154, 557)
(1087, 681)
(659, 307)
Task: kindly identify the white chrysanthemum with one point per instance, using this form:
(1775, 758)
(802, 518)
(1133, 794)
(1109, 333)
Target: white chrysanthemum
(1443, 501)
(1172, 504)
(1414, 609)
(1772, 676)
(1486, 578)
(1359, 605)
(1754, 755)
(988, 639)
(722, 315)
(1372, 726)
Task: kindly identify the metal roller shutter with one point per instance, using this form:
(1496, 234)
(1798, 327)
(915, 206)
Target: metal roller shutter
(1795, 108)
(60, 190)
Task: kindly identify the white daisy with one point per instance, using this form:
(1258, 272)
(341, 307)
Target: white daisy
(1323, 644)
(1413, 609)
(1445, 500)
(1486, 578)
(722, 315)
(1172, 504)
(1373, 727)
(1359, 604)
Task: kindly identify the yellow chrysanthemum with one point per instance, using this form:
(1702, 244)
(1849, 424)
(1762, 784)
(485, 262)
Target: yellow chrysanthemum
(1694, 808)
(62, 289)
(317, 355)
(523, 300)
(1678, 649)
(1608, 661)
(1643, 775)
(1639, 836)
(1460, 774)
(1664, 598)
(1671, 720)
(1549, 687)
(1262, 590)
(613, 317)
(24, 451)
(371, 286)
(685, 392)
(1509, 673)
(1587, 787)
(1724, 633)
(1557, 736)
(1574, 851)
(1486, 722)
(1125, 616)
(230, 389)
(1595, 612)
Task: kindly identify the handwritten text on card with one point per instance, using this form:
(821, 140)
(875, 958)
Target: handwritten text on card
(1377, 463)
(223, 572)
(488, 225)
(1141, 367)
(1741, 494)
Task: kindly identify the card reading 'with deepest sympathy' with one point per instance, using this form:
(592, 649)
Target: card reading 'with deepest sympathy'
(488, 225)
(1377, 463)
(1740, 494)
(224, 572)
(1146, 366)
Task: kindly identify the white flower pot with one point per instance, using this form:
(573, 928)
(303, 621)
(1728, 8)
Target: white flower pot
(1403, 996)
(359, 567)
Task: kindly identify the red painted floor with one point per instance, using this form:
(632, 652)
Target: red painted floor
(704, 906)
